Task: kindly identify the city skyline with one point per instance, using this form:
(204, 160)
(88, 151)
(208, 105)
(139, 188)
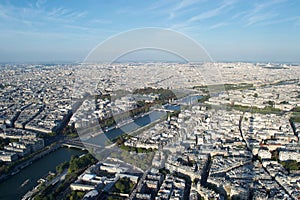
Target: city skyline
(51, 31)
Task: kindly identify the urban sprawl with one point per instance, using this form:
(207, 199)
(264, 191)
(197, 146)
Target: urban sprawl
(206, 130)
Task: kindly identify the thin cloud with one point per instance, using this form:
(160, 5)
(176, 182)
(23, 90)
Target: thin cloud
(123, 11)
(40, 3)
(239, 15)
(100, 21)
(182, 5)
(83, 28)
(10, 15)
(297, 21)
(218, 25)
(57, 12)
(62, 14)
(211, 13)
(34, 20)
(4, 13)
(185, 27)
(262, 12)
(174, 10)
(262, 17)
(39, 14)
(279, 21)
(262, 6)
(186, 3)
(158, 5)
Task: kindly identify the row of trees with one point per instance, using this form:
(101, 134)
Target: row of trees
(136, 149)
(240, 86)
(141, 106)
(61, 167)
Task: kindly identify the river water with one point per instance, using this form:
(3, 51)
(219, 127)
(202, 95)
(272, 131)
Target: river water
(102, 139)
(12, 188)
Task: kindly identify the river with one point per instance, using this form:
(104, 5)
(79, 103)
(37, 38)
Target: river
(12, 187)
(105, 138)
(102, 139)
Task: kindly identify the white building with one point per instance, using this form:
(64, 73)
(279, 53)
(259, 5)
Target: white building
(264, 154)
(6, 156)
(289, 155)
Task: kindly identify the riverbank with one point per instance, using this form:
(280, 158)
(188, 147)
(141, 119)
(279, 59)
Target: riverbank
(21, 164)
(105, 138)
(11, 188)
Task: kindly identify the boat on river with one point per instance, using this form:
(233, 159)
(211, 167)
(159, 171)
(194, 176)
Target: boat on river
(24, 183)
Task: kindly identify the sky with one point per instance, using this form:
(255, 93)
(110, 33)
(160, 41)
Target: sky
(229, 30)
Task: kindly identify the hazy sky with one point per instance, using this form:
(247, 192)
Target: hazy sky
(230, 30)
